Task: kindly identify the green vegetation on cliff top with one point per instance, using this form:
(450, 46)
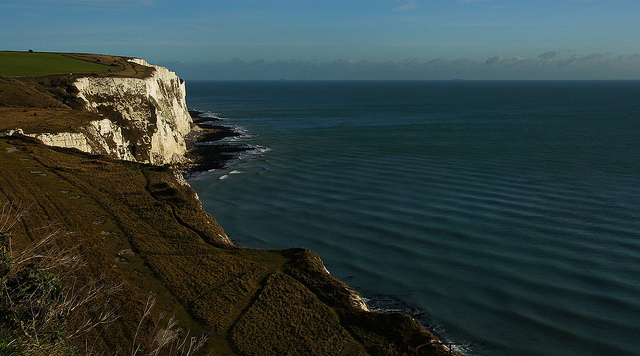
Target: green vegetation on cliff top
(33, 64)
(36, 100)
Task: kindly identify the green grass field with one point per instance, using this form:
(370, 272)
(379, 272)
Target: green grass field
(25, 63)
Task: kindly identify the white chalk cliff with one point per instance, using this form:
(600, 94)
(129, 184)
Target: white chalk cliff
(144, 120)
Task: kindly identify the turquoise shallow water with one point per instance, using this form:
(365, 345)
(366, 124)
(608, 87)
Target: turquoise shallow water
(508, 211)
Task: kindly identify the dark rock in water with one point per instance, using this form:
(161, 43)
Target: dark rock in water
(216, 132)
(204, 153)
(197, 116)
(390, 303)
(209, 157)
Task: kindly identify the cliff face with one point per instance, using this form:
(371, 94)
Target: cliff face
(145, 119)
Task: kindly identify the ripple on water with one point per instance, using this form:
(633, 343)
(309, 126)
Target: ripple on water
(519, 231)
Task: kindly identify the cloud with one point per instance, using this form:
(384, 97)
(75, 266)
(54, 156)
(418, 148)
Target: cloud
(410, 5)
(548, 55)
(494, 60)
(628, 58)
(572, 67)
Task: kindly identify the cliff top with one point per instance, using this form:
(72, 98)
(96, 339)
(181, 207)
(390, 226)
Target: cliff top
(36, 91)
(34, 64)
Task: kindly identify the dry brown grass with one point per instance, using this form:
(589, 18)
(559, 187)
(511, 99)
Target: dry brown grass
(166, 337)
(49, 309)
(42, 301)
(35, 120)
(122, 67)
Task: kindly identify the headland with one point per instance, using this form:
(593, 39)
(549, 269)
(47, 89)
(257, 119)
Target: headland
(89, 167)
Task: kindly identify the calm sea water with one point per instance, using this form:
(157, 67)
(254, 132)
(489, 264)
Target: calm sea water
(508, 211)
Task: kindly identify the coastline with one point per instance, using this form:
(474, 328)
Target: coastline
(209, 155)
(146, 226)
(204, 150)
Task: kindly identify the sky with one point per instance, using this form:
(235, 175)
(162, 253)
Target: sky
(342, 39)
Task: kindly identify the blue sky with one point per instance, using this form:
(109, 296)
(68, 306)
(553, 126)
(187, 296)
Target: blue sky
(342, 39)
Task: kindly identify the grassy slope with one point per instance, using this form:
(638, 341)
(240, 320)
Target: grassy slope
(24, 63)
(252, 302)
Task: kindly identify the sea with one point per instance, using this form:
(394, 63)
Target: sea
(504, 215)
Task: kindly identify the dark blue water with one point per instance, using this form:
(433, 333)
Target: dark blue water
(508, 211)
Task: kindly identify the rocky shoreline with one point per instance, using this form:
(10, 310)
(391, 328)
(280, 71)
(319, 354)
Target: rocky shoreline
(205, 152)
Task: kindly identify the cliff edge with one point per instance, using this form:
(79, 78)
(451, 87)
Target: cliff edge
(141, 118)
(139, 228)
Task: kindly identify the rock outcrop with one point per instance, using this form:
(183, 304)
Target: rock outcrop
(144, 119)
